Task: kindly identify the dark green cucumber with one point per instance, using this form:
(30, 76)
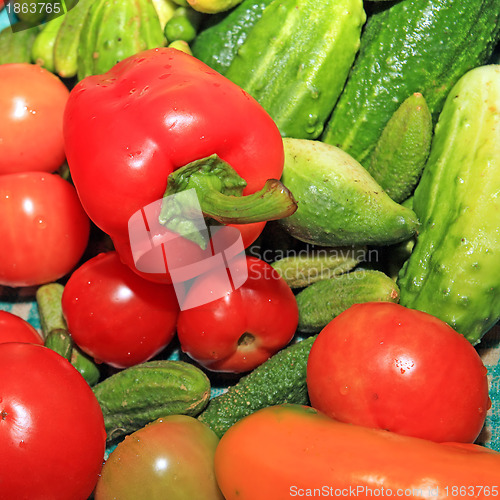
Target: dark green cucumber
(322, 301)
(453, 271)
(339, 202)
(303, 268)
(399, 157)
(15, 47)
(296, 59)
(410, 46)
(135, 396)
(280, 379)
(114, 30)
(217, 44)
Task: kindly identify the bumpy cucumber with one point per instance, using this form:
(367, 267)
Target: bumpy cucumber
(410, 46)
(296, 59)
(217, 44)
(322, 301)
(399, 157)
(135, 396)
(281, 379)
(303, 268)
(114, 30)
(454, 269)
(68, 39)
(339, 203)
(15, 47)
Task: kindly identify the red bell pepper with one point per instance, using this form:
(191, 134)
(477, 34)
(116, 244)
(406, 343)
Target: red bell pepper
(242, 329)
(129, 131)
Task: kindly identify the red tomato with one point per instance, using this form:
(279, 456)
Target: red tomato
(287, 451)
(32, 102)
(44, 229)
(116, 316)
(15, 329)
(243, 328)
(52, 433)
(172, 458)
(382, 365)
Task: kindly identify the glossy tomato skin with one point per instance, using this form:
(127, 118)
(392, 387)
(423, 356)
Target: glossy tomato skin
(241, 330)
(32, 102)
(13, 328)
(169, 458)
(385, 366)
(116, 316)
(295, 451)
(44, 229)
(52, 433)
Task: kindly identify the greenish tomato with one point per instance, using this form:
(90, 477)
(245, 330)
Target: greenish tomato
(172, 457)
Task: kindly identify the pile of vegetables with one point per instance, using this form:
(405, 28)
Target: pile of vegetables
(296, 202)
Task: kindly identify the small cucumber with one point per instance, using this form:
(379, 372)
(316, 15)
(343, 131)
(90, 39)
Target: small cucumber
(15, 46)
(42, 51)
(68, 39)
(296, 59)
(135, 396)
(401, 151)
(302, 269)
(339, 203)
(84, 364)
(280, 379)
(453, 271)
(322, 301)
(217, 44)
(60, 341)
(55, 331)
(183, 25)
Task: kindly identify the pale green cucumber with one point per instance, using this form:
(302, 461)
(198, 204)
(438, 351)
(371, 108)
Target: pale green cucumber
(339, 202)
(42, 51)
(454, 269)
(68, 39)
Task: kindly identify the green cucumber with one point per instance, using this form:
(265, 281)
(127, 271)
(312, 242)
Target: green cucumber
(183, 25)
(303, 268)
(135, 396)
(42, 51)
(410, 46)
(68, 39)
(453, 271)
(339, 203)
(280, 379)
(399, 157)
(15, 46)
(217, 44)
(114, 30)
(322, 301)
(60, 341)
(55, 331)
(296, 59)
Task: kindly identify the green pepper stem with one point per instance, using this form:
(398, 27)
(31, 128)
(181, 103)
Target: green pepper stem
(273, 201)
(219, 191)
